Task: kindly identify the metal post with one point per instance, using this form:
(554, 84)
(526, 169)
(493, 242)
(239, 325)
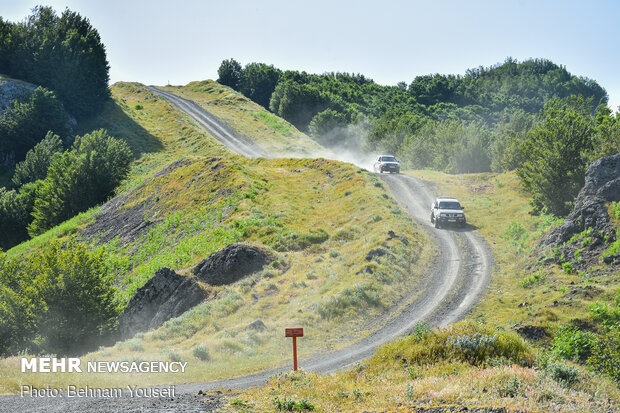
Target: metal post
(294, 353)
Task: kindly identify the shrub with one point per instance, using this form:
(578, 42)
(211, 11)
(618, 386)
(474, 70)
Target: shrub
(605, 356)
(573, 344)
(465, 342)
(564, 374)
(536, 278)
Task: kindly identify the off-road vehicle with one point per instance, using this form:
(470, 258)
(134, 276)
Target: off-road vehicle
(386, 163)
(447, 211)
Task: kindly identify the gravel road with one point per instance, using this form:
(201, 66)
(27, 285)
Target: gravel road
(459, 276)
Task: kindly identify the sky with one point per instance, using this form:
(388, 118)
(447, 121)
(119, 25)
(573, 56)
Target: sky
(174, 42)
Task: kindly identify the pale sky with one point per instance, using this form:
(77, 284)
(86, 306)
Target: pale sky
(159, 42)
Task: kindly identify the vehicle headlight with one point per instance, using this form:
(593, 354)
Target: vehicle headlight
(443, 214)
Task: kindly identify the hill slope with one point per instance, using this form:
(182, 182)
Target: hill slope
(187, 196)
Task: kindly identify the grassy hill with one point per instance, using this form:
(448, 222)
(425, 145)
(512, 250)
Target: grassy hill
(318, 217)
(481, 362)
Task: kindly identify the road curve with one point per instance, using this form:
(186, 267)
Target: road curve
(458, 277)
(216, 128)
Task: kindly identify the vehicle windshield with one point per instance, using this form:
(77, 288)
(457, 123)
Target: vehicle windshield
(388, 159)
(449, 205)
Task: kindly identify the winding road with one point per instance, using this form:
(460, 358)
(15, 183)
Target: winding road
(458, 277)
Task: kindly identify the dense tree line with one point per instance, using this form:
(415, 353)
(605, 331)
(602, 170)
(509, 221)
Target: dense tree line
(53, 184)
(489, 119)
(61, 301)
(61, 53)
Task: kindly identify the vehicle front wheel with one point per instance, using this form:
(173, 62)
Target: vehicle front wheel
(437, 224)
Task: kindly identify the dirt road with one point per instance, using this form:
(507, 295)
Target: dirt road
(459, 276)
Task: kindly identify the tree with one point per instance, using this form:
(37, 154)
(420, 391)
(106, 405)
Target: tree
(27, 122)
(15, 214)
(79, 179)
(38, 160)
(79, 295)
(328, 127)
(556, 154)
(259, 81)
(64, 54)
(230, 73)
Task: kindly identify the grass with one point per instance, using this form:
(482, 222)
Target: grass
(319, 218)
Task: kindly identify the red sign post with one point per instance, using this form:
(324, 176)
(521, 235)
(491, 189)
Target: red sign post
(294, 332)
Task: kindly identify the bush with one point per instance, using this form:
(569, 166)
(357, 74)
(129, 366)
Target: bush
(573, 344)
(605, 356)
(201, 353)
(465, 342)
(565, 375)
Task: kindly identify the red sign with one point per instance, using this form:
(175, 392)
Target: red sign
(294, 332)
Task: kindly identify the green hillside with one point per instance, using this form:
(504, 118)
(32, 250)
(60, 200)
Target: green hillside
(319, 218)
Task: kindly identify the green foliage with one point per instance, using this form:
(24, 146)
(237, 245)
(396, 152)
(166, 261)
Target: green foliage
(62, 53)
(608, 315)
(27, 122)
(230, 73)
(38, 160)
(573, 344)
(605, 356)
(556, 154)
(534, 279)
(15, 214)
(567, 267)
(290, 405)
(326, 127)
(80, 178)
(61, 301)
(258, 82)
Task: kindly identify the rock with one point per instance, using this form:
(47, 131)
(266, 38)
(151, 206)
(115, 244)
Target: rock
(257, 325)
(602, 186)
(231, 263)
(377, 252)
(366, 270)
(532, 332)
(165, 296)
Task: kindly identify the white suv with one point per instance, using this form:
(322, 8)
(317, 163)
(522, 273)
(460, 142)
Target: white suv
(386, 163)
(447, 211)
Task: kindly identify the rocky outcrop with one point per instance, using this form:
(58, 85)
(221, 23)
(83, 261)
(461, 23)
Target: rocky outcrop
(163, 297)
(602, 186)
(231, 264)
(11, 89)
